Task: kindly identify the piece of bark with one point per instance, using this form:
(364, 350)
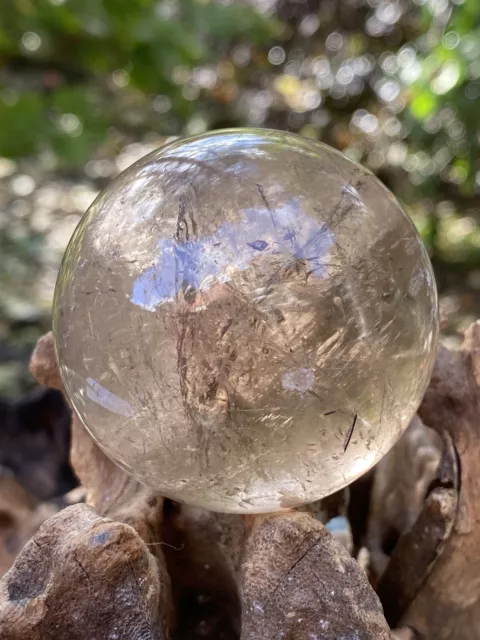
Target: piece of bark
(447, 606)
(43, 363)
(299, 583)
(83, 576)
(418, 548)
(399, 489)
(416, 553)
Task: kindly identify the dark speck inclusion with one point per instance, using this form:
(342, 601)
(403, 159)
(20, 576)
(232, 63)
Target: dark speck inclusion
(245, 320)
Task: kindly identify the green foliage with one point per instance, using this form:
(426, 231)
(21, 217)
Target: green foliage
(444, 98)
(93, 59)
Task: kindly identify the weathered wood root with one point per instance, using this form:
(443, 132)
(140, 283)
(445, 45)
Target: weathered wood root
(277, 576)
(83, 576)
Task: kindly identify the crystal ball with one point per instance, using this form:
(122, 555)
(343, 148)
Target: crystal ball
(245, 320)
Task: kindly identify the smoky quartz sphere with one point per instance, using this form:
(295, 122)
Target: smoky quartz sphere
(245, 320)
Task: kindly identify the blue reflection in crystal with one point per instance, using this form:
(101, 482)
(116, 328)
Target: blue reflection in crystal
(207, 260)
(107, 399)
(258, 245)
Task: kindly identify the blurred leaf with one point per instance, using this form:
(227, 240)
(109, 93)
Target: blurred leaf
(23, 125)
(423, 105)
(74, 48)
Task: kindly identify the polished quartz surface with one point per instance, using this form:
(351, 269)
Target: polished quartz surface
(245, 320)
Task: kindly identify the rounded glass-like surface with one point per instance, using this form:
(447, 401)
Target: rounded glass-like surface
(245, 320)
